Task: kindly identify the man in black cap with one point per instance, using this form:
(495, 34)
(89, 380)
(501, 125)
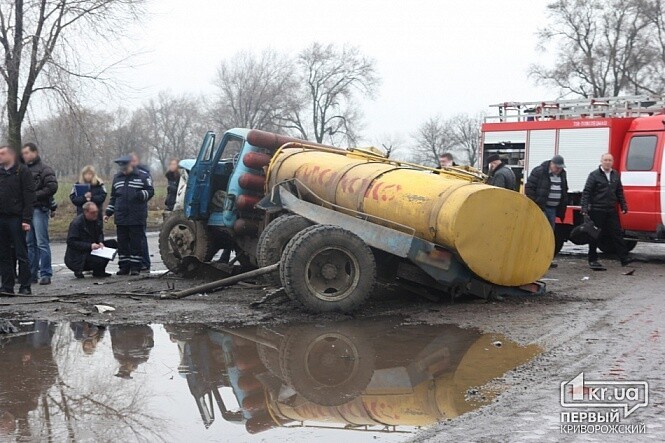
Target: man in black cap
(132, 188)
(17, 200)
(547, 185)
(602, 194)
(500, 175)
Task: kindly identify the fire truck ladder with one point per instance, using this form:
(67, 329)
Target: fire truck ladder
(628, 106)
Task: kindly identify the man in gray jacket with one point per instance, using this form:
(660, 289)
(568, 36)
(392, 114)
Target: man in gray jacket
(500, 175)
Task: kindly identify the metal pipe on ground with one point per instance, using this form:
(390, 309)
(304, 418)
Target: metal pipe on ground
(221, 283)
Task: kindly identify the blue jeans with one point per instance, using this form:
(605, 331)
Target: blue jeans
(39, 249)
(550, 213)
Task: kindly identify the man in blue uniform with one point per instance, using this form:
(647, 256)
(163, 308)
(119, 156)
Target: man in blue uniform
(132, 188)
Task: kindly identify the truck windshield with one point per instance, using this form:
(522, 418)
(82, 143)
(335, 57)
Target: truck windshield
(231, 148)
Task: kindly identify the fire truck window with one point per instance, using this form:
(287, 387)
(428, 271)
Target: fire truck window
(641, 153)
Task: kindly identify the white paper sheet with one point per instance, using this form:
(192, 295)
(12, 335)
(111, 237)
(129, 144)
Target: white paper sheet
(107, 253)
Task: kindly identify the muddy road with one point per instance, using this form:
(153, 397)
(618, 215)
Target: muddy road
(212, 368)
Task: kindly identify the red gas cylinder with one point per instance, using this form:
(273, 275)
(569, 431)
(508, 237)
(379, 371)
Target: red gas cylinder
(252, 182)
(256, 160)
(247, 202)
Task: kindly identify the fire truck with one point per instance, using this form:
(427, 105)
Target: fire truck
(631, 128)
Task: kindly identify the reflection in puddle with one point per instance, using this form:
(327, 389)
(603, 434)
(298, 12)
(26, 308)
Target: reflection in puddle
(81, 382)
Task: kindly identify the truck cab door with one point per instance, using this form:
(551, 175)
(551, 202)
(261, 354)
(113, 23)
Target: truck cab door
(198, 192)
(641, 177)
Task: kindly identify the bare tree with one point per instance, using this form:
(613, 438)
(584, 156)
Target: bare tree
(255, 91)
(173, 126)
(332, 78)
(465, 132)
(37, 40)
(392, 144)
(603, 47)
(432, 138)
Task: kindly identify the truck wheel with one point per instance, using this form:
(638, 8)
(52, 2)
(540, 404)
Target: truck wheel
(273, 240)
(327, 268)
(329, 366)
(180, 237)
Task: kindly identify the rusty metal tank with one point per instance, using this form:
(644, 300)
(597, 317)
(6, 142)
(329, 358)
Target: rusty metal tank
(502, 236)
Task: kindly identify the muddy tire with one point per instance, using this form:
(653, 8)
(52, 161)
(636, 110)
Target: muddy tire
(329, 365)
(274, 239)
(187, 237)
(327, 268)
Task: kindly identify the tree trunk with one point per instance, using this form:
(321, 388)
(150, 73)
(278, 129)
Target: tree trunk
(14, 123)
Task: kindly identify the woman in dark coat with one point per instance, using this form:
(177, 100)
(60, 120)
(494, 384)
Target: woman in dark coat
(96, 192)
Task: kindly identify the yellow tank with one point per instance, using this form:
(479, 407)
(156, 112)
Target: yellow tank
(502, 236)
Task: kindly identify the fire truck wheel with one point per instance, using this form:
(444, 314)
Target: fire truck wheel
(327, 268)
(606, 245)
(273, 240)
(329, 365)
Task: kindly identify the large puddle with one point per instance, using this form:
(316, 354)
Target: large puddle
(357, 381)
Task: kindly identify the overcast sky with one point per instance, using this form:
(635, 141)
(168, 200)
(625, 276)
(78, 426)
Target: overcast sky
(434, 56)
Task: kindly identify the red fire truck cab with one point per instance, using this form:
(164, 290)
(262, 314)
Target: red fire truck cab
(632, 129)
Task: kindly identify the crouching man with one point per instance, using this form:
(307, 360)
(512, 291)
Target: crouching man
(86, 235)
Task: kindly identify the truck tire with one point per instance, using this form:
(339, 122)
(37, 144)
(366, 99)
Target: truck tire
(606, 245)
(273, 240)
(329, 365)
(187, 236)
(327, 268)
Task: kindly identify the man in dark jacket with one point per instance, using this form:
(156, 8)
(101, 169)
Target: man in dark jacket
(86, 235)
(135, 162)
(17, 199)
(131, 346)
(46, 185)
(602, 194)
(547, 185)
(500, 175)
(132, 188)
(173, 177)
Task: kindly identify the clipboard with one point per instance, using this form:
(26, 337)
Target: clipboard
(80, 190)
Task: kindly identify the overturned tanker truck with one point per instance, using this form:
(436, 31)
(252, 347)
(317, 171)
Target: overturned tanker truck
(337, 221)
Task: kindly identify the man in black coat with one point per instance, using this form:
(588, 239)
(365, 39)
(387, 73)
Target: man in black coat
(46, 185)
(17, 198)
(547, 185)
(135, 162)
(86, 235)
(173, 177)
(602, 194)
(500, 175)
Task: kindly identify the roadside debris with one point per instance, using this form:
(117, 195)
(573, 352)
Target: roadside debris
(104, 308)
(229, 281)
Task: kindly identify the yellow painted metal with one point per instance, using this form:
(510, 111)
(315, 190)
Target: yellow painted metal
(502, 236)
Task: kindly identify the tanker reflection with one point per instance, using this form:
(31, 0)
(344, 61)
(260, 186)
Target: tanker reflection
(362, 376)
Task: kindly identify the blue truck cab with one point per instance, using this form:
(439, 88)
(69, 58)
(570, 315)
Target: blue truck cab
(213, 186)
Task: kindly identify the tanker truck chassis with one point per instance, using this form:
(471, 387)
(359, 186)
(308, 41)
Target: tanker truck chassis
(331, 255)
(418, 265)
